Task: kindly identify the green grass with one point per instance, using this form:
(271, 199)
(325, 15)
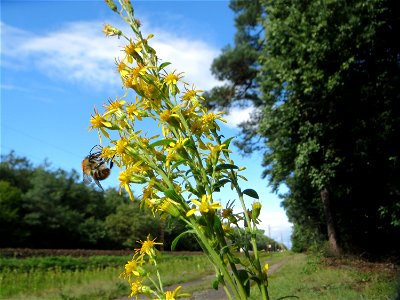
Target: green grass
(308, 277)
(305, 277)
(58, 277)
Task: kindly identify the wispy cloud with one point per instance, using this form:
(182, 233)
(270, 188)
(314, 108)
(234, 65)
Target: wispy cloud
(79, 52)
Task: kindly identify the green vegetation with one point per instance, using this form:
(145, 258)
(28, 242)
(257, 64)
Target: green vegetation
(304, 276)
(45, 208)
(85, 278)
(322, 77)
(311, 277)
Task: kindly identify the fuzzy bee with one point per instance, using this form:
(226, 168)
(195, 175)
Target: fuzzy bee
(96, 167)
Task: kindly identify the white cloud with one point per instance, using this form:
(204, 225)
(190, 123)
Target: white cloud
(79, 52)
(238, 115)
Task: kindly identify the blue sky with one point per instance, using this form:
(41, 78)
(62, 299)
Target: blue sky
(56, 65)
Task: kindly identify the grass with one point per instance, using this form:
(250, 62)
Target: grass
(58, 277)
(311, 277)
(300, 276)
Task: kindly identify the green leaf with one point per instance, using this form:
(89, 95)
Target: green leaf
(215, 284)
(244, 279)
(252, 193)
(163, 65)
(163, 142)
(228, 142)
(175, 241)
(220, 183)
(172, 194)
(226, 166)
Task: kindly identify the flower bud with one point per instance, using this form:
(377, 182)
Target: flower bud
(128, 6)
(256, 210)
(111, 31)
(111, 5)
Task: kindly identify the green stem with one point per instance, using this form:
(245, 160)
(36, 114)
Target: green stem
(237, 289)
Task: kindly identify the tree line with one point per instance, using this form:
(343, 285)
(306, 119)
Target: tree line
(45, 208)
(323, 80)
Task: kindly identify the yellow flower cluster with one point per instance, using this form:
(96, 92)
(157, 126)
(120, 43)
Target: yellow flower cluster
(136, 274)
(179, 168)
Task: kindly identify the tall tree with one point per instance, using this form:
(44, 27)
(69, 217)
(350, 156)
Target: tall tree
(329, 113)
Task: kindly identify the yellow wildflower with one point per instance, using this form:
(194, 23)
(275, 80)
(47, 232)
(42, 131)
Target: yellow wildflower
(133, 48)
(107, 152)
(98, 121)
(190, 94)
(209, 120)
(147, 247)
(176, 150)
(133, 111)
(124, 180)
(172, 78)
(205, 206)
(121, 145)
(173, 295)
(265, 269)
(131, 268)
(136, 288)
(114, 107)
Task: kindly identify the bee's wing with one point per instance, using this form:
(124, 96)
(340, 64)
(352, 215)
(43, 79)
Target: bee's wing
(98, 183)
(86, 178)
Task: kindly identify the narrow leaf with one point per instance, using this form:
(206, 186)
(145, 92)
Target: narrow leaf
(163, 142)
(163, 65)
(175, 241)
(228, 141)
(226, 166)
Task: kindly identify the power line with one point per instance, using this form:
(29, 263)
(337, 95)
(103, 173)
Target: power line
(41, 141)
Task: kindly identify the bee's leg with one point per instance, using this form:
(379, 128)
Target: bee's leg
(98, 184)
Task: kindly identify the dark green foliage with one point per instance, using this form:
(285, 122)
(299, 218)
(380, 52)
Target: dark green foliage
(328, 98)
(45, 208)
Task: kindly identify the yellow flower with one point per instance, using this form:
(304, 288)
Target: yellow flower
(124, 180)
(205, 206)
(190, 94)
(107, 152)
(136, 288)
(172, 78)
(114, 106)
(147, 247)
(165, 115)
(131, 268)
(133, 48)
(209, 120)
(265, 269)
(173, 295)
(176, 150)
(98, 121)
(121, 146)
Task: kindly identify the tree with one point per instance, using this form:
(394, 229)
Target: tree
(328, 113)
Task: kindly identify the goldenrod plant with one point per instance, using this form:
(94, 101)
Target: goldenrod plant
(181, 169)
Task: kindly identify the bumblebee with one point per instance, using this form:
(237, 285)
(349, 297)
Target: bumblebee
(96, 167)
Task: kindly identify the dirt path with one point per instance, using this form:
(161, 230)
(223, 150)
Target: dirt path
(201, 290)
